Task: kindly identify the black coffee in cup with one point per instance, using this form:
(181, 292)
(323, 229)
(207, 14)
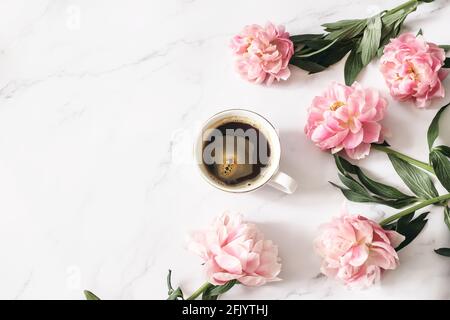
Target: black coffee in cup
(235, 152)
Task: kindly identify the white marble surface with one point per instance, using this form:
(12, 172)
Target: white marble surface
(96, 98)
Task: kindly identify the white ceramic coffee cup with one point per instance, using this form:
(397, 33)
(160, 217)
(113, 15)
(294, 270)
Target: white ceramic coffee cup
(270, 174)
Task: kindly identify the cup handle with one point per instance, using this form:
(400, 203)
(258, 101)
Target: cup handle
(283, 182)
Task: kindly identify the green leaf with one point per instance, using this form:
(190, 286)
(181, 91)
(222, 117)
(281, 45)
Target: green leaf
(419, 33)
(173, 294)
(390, 226)
(403, 222)
(353, 185)
(354, 196)
(213, 292)
(389, 196)
(401, 203)
(411, 7)
(317, 44)
(341, 24)
(348, 35)
(306, 55)
(301, 38)
(381, 189)
(392, 22)
(398, 24)
(348, 32)
(373, 186)
(433, 129)
(387, 33)
(447, 63)
(383, 144)
(371, 39)
(390, 19)
(446, 47)
(90, 296)
(177, 294)
(445, 150)
(410, 229)
(333, 54)
(441, 166)
(422, 216)
(391, 33)
(353, 67)
(217, 290)
(169, 282)
(344, 166)
(309, 66)
(209, 297)
(447, 216)
(443, 252)
(417, 181)
(327, 57)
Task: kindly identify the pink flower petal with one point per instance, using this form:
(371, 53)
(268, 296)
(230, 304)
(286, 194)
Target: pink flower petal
(263, 53)
(412, 69)
(359, 255)
(363, 257)
(372, 131)
(359, 152)
(353, 140)
(233, 249)
(229, 263)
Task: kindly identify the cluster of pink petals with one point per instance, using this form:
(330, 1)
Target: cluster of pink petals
(412, 69)
(356, 250)
(263, 53)
(232, 249)
(346, 118)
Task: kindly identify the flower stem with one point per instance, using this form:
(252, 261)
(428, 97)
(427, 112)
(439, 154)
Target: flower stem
(417, 163)
(403, 6)
(199, 291)
(415, 208)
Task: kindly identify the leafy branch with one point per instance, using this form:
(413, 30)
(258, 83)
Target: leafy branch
(358, 187)
(363, 38)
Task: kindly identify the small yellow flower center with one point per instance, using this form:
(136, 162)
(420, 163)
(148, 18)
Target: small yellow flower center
(336, 105)
(411, 72)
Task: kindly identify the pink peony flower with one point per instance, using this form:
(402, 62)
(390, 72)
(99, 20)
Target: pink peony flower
(232, 249)
(356, 250)
(346, 118)
(263, 53)
(412, 69)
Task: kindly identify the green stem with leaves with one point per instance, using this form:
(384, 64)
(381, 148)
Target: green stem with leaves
(423, 165)
(412, 209)
(199, 291)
